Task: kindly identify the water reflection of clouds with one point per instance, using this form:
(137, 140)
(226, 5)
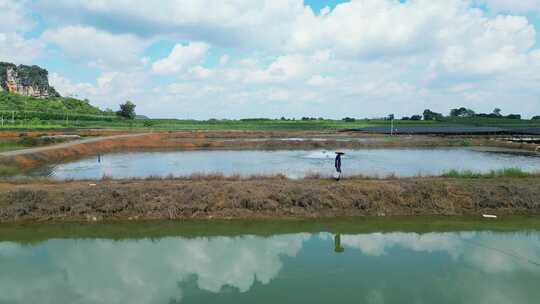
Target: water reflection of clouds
(487, 251)
(105, 271)
(486, 267)
(158, 271)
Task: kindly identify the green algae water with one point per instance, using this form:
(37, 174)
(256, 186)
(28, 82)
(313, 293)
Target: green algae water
(282, 262)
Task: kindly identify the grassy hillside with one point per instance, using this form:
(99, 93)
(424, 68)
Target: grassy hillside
(14, 102)
(58, 108)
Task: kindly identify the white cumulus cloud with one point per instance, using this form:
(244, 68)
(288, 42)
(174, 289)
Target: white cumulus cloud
(181, 58)
(95, 47)
(370, 57)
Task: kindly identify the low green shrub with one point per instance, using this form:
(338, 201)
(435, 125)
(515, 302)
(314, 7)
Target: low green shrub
(28, 141)
(7, 170)
(507, 172)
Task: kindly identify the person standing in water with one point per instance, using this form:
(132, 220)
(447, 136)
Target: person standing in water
(337, 164)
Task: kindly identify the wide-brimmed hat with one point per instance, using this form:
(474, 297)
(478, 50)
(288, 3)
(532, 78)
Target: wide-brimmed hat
(340, 153)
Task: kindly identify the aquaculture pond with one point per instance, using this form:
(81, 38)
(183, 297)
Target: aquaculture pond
(292, 163)
(269, 263)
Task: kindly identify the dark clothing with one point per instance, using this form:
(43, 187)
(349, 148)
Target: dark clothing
(338, 163)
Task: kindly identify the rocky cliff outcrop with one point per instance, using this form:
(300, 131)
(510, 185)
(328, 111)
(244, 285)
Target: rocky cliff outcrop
(25, 80)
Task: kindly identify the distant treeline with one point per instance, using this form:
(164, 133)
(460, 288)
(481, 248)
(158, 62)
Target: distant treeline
(427, 115)
(468, 113)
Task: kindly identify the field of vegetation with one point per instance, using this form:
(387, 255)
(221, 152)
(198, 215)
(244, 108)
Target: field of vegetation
(21, 112)
(73, 122)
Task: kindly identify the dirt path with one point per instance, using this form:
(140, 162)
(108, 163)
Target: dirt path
(66, 145)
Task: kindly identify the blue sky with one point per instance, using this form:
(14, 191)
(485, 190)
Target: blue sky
(317, 5)
(243, 58)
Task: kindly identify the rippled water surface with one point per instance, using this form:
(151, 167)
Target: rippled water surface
(292, 163)
(285, 267)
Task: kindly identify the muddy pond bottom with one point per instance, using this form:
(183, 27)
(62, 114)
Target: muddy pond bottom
(291, 163)
(208, 266)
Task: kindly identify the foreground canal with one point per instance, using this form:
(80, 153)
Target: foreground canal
(380, 261)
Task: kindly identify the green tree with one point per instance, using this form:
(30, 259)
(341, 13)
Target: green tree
(462, 112)
(430, 115)
(513, 116)
(127, 110)
(497, 112)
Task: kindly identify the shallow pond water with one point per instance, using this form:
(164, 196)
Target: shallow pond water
(467, 266)
(292, 163)
(315, 139)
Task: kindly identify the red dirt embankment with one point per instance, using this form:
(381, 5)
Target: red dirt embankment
(224, 198)
(33, 157)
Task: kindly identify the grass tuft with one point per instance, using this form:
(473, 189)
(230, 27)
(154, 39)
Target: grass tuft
(9, 170)
(507, 172)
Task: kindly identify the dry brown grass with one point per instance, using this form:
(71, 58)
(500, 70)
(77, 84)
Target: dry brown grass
(265, 197)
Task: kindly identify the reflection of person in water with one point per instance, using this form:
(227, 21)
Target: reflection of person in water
(337, 244)
(338, 164)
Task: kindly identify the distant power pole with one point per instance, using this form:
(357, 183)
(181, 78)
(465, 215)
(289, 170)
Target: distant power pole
(391, 118)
